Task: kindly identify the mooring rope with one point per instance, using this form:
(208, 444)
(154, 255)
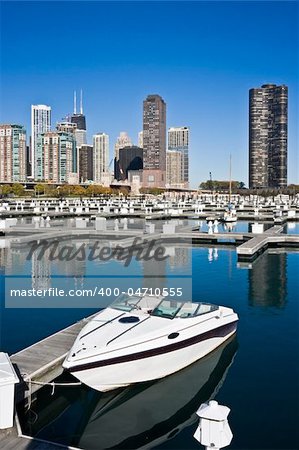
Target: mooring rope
(54, 384)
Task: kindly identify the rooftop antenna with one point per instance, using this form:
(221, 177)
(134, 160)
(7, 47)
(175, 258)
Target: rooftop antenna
(75, 103)
(81, 102)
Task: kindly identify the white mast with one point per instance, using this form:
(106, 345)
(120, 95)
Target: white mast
(75, 103)
(81, 102)
(230, 176)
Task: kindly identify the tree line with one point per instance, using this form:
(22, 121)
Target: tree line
(67, 190)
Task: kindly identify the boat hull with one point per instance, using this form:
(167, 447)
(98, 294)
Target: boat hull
(152, 364)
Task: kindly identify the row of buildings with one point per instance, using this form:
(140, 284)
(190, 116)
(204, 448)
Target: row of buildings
(161, 158)
(63, 155)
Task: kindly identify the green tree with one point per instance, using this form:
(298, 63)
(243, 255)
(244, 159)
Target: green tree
(64, 191)
(77, 190)
(93, 190)
(18, 189)
(152, 191)
(39, 189)
(50, 191)
(6, 189)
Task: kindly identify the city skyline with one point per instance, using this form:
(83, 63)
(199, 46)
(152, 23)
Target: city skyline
(203, 73)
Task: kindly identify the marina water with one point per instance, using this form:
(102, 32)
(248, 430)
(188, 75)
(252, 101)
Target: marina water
(256, 374)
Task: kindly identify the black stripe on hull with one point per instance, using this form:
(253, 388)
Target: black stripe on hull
(222, 331)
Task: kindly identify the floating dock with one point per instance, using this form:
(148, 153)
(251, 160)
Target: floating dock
(252, 248)
(12, 440)
(42, 362)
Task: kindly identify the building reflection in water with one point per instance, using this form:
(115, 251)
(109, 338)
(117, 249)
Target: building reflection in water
(268, 280)
(41, 271)
(75, 268)
(12, 260)
(179, 257)
(42, 265)
(154, 274)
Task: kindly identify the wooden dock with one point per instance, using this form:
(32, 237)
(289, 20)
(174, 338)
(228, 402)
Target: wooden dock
(252, 248)
(11, 440)
(42, 361)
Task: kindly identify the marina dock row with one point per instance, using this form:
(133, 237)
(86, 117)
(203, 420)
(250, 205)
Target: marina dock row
(248, 245)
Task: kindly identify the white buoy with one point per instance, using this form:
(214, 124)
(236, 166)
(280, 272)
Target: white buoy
(216, 227)
(210, 226)
(213, 431)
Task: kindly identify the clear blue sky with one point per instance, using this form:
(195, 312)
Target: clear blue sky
(201, 57)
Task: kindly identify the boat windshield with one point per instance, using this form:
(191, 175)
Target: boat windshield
(125, 303)
(170, 309)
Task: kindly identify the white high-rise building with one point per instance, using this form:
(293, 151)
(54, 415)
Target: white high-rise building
(80, 136)
(140, 139)
(122, 141)
(100, 157)
(40, 123)
(178, 140)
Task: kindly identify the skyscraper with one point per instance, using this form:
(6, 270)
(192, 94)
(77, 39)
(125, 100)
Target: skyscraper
(174, 169)
(85, 163)
(56, 157)
(154, 141)
(78, 118)
(178, 140)
(122, 141)
(12, 153)
(100, 157)
(130, 158)
(40, 123)
(268, 123)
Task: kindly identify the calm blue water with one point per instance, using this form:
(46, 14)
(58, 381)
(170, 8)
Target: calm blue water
(292, 228)
(257, 376)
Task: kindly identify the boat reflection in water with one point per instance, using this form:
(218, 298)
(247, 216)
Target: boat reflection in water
(143, 415)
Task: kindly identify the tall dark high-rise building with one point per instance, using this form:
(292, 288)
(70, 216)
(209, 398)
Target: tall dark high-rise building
(85, 163)
(154, 141)
(28, 161)
(78, 118)
(268, 129)
(130, 158)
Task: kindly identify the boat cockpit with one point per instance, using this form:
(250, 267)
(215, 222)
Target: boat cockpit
(162, 307)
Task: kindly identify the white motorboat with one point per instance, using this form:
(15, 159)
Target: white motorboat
(138, 339)
(230, 215)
